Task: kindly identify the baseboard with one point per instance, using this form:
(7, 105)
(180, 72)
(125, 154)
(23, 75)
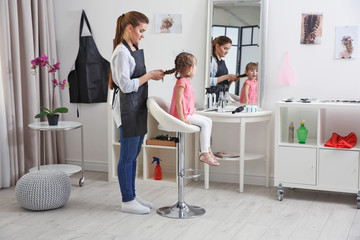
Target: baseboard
(90, 165)
(214, 177)
(234, 178)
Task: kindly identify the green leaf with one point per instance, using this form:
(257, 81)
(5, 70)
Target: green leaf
(41, 114)
(46, 109)
(61, 110)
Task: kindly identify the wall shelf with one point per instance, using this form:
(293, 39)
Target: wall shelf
(145, 168)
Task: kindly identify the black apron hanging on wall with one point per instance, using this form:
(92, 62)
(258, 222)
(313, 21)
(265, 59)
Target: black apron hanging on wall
(89, 81)
(133, 105)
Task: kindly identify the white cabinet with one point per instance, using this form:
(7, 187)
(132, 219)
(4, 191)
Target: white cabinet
(339, 169)
(312, 165)
(145, 168)
(297, 165)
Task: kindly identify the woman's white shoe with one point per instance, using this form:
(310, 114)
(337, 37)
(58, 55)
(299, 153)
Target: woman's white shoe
(143, 202)
(134, 207)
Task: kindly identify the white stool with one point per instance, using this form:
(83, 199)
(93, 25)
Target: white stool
(159, 109)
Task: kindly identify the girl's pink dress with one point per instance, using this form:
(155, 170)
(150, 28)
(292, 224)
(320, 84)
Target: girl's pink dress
(188, 101)
(252, 92)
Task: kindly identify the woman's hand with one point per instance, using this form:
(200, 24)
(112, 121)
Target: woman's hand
(232, 77)
(157, 74)
(154, 75)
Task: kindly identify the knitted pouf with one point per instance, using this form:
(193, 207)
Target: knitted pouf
(43, 190)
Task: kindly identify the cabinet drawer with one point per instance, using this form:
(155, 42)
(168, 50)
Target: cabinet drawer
(297, 165)
(339, 169)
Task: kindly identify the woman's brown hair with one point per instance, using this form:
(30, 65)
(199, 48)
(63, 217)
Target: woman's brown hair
(221, 40)
(133, 18)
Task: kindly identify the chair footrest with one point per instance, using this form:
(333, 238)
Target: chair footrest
(190, 173)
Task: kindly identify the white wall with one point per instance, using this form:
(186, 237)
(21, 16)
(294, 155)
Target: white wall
(318, 74)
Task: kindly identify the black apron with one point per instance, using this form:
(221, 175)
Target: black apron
(133, 105)
(221, 70)
(89, 81)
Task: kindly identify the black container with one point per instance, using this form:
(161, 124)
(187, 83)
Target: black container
(53, 120)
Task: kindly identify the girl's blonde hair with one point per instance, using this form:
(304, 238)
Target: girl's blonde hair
(133, 18)
(249, 66)
(183, 62)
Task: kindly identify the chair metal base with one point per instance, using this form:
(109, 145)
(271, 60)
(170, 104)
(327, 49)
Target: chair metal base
(181, 211)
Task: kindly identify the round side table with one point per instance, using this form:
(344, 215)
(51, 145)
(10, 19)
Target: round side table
(62, 126)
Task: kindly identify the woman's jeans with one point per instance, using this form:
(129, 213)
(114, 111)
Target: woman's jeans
(129, 151)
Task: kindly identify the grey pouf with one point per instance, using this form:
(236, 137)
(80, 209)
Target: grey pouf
(43, 190)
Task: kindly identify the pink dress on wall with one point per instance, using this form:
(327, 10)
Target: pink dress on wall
(252, 92)
(188, 101)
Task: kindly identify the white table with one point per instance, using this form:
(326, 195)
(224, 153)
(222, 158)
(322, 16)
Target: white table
(242, 118)
(62, 126)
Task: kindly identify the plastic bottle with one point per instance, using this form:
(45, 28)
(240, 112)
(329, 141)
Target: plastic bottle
(291, 133)
(157, 173)
(208, 99)
(302, 132)
(221, 101)
(213, 96)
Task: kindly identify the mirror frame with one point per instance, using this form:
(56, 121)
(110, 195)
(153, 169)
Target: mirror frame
(262, 42)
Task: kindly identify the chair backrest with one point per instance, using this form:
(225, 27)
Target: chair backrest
(159, 109)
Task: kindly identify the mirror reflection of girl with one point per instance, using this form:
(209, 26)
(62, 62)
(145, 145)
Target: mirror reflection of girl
(249, 89)
(183, 104)
(219, 74)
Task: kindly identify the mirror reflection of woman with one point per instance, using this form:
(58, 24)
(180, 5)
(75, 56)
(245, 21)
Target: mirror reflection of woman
(219, 74)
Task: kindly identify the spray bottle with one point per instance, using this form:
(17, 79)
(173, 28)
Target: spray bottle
(157, 173)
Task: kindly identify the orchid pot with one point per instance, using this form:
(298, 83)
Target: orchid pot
(52, 112)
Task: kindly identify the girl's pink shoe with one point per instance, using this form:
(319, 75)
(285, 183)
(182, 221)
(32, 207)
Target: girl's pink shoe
(211, 153)
(209, 160)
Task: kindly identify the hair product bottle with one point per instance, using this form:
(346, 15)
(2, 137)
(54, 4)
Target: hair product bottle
(291, 133)
(208, 99)
(213, 96)
(302, 132)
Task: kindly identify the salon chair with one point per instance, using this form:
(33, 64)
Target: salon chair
(159, 109)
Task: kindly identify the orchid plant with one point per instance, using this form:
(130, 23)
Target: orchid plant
(43, 61)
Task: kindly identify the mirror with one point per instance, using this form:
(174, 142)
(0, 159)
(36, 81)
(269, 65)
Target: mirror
(245, 23)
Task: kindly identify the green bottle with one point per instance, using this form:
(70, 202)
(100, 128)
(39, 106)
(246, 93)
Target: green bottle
(302, 132)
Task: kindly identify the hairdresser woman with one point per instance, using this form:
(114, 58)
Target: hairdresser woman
(129, 81)
(219, 74)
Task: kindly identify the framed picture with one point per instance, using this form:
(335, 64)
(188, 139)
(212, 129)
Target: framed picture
(346, 39)
(168, 23)
(311, 28)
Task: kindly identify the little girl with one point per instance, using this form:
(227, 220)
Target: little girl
(183, 104)
(249, 90)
